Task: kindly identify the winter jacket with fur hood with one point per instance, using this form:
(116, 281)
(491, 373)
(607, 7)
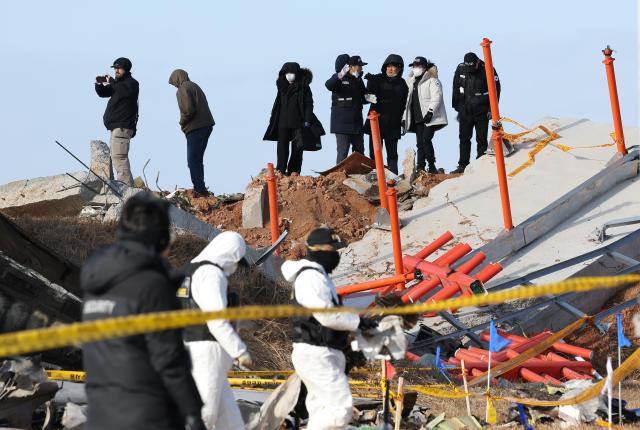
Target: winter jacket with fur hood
(431, 98)
(298, 93)
(194, 109)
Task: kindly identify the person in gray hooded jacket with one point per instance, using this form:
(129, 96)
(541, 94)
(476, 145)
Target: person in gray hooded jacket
(425, 110)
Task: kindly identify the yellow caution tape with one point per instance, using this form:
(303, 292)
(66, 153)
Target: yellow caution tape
(29, 341)
(241, 373)
(540, 145)
(437, 392)
(66, 375)
(492, 414)
(506, 366)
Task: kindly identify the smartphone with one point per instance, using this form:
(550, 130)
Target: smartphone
(101, 79)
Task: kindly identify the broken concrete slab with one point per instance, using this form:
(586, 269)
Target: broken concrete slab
(28, 286)
(409, 165)
(58, 195)
(15, 244)
(469, 205)
(361, 185)
(255, 207)
(101, 159)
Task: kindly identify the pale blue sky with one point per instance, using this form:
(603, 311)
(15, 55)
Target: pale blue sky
(548, 55)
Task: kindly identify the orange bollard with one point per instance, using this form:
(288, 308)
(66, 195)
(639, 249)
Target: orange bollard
(392, 205)
(613, 96)
(377, 155)
(497, 134)
(272, 189)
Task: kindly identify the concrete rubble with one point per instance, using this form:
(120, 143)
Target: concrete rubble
(574, 186)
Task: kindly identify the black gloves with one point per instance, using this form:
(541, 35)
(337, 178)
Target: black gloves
(368, 76)
(193, 422)
(428, 116)
(367, 324)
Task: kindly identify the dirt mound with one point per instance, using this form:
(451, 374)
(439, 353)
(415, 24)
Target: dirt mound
(606, 345)
(305, 203)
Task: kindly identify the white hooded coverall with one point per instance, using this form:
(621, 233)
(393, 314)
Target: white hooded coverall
(322, 369)
(212, 360)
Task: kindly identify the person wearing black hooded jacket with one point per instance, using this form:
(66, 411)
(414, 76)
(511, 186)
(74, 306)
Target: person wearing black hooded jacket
(143, 381)
(471, 100)
(121, 115)
(347, 97)
(292, 111)
(390, 91)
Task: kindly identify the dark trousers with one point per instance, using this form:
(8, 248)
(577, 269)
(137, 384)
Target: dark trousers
(196, 145)
(345, 142)
(424, 144)
(391, 145)
(467, 124)
(288, 165)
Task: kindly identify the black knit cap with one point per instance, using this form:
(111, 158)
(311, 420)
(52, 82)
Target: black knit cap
(324, 236)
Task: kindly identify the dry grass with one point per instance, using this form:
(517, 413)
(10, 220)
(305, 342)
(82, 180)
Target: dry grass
(269, 341)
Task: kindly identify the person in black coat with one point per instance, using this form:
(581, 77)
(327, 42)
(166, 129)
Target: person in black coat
(143, 381)
(292, 112)
(121, 115)
(471, 101)
(390, 93)
(347, 97)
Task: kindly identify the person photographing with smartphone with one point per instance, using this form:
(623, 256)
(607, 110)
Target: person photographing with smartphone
(121, 115)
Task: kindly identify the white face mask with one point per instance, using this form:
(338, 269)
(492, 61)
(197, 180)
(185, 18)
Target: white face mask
(418, 71)
(355, 74)
(290, 77)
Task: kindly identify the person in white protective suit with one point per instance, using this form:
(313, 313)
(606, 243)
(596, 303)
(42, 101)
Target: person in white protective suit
(214, 347)
(318, 341)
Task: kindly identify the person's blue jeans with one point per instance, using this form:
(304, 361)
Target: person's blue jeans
(196, 145)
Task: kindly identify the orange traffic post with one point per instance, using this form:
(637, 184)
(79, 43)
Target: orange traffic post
(496, 125)
(272, 189)
(392, 206)
(613, 96)
(377, 155)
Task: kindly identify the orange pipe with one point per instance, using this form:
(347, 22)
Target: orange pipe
(392, 205)
(572, 374)
(453, 255)
(377, 283)
(434, 246)
(488, 272)
(497, 134)
(565, 348)
(377, 155)
(273, 204)
(531, 376)
(613, 96)
(452, 288)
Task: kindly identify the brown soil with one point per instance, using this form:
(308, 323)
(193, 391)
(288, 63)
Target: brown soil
(304, 203)
(607, 345)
